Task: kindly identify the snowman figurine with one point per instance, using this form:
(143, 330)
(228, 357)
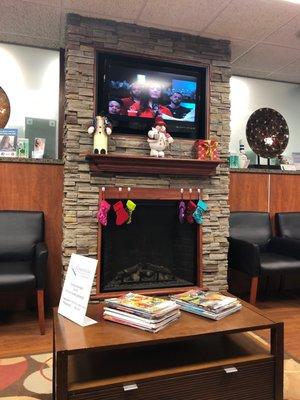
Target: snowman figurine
(101, 129)
(158, 138)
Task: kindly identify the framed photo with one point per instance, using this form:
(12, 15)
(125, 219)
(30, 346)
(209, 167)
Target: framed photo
(8, 142)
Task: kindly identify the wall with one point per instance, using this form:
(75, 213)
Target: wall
(81, 190)
(30, 78)
(248, 94)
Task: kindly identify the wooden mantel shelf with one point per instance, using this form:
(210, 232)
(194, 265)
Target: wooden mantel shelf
(150, 165)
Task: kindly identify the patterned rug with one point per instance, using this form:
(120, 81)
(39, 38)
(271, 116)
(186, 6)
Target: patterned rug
(30, 378)
(26, 378)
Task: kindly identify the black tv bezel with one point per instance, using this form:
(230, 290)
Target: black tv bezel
(121, 123)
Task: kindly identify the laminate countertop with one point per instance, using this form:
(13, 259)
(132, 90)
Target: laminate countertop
(31, 160)
(264, 171)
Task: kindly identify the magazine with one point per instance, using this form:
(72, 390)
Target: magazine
(23, 147)
(8, 142)
(38, 148)
(146, 306)
(134, 324)
(211, 315)
(149, 322)
(207, 300)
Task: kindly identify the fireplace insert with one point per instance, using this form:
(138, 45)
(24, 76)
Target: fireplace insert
(154, 251)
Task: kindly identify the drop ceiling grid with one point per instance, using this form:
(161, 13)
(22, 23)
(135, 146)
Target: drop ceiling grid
(264, 33)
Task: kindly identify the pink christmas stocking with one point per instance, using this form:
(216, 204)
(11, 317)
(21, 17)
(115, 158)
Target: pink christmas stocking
(190, 208)
(121, 213)
(104, 207)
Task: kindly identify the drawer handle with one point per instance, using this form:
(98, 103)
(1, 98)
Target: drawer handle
(130, 386)
(230, 370)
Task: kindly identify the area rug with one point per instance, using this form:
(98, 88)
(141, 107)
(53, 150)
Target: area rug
(26, 378)
(30, 378)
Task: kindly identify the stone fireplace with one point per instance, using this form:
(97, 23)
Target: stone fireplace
(81, 188)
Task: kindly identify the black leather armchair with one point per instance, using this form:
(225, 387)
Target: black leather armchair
(254, 251)
(288, 225)
(23, 255)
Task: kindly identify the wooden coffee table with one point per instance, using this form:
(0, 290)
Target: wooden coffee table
(194, 358)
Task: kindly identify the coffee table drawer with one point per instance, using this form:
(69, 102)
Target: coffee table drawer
(249, 382)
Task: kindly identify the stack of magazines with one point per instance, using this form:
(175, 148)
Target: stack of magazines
(207, 304)
(144, 312)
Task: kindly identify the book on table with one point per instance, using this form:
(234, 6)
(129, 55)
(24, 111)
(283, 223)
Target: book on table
(207, 304)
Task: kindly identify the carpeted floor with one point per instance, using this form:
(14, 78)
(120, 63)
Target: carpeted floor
(30, 378)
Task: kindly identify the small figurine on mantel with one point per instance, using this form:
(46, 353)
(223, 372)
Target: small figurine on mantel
(159, 138)
(101, 129)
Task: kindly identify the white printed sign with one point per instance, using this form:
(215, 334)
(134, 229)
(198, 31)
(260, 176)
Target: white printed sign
(77, 288)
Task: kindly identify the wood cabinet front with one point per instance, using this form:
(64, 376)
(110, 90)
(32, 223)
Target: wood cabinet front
(240, 382)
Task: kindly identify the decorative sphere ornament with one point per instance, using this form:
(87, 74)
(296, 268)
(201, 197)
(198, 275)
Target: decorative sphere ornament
(267, 133)
(4, 108)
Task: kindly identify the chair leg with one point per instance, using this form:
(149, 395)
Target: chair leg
(41, 310)
(253, 289)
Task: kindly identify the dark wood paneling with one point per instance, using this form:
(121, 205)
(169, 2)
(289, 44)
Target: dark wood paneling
(284, 193)
(248, 192)
(38, 187)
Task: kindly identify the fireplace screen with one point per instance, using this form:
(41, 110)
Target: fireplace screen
(154, 251)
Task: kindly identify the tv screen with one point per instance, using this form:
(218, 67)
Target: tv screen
(133, 93)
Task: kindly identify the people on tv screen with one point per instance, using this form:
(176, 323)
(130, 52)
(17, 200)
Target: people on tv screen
(136, 90)
(150, 105)
(151, 99)
(115, 106)
(174, 106)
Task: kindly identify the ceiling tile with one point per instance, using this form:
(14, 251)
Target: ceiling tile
(126, 10)
(266, 57)
(238, 47)
(288, 35)
(292, 68)
(186, 16)
(24, 18)
(244, 19)
(30, 41)
(52, 3)
(251, 73)
(285, 77)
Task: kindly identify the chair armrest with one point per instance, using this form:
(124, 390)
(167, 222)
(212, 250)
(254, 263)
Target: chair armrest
(244, 256)
(41, 256)
(286, 246)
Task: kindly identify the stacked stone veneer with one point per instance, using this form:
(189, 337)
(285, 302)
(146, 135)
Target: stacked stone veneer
(81, 190)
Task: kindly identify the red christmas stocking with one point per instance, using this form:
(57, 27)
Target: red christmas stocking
(190, 208)
(121, 213)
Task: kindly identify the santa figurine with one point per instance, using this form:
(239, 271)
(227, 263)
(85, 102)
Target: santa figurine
(101, 129)
(158, 138)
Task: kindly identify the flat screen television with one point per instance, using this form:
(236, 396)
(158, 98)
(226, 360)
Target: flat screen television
(133, 92)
